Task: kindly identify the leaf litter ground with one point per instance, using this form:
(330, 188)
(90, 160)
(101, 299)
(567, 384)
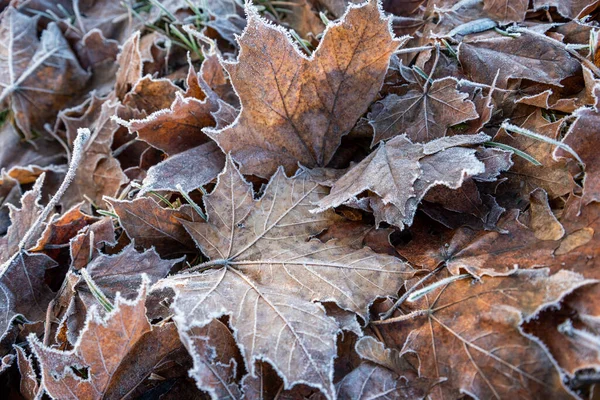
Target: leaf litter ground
(305, 199)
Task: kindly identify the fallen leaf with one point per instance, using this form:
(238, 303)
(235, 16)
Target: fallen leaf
(267, 285)
(523, 57)
(110, 356)
(400, 173)
(150, 225)
(472, 334)
(40, 76)
(582, 137)
(216, 358)
(543, 222)
(424, 114)
(301, 107)
(570, 331)
(506, 11)
(569, 8)
(179, 128)
(191, 169)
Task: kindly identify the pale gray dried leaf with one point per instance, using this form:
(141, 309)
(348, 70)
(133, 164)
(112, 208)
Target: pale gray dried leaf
(423, 115)
(400, 173)
(266, 275)
(523, 57)
(23, 290)
(191, 169)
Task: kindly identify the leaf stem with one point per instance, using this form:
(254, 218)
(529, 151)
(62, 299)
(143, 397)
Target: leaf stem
(405, 296)
(208, 265)
(526, 132)
(83, 134)
(401, 318)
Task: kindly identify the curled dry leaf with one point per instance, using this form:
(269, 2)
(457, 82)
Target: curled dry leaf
(265, 276)
(400, 173)
(300, 108)
(111, 357)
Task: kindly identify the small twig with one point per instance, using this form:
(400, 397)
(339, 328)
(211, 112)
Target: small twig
(413, 49)
(83, 135)
(406, 317)
(403, 298)
(435, 63)
(208, 265)
(526, 132)
(191, 202)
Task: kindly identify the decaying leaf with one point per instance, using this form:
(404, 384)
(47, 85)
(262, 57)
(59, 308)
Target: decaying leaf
(23, 290)
(265, 275)
(301, 107)
(582, 137)
(146, 222)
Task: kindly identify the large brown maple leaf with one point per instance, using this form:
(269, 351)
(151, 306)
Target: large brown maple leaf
(266, 276)
(294, 108)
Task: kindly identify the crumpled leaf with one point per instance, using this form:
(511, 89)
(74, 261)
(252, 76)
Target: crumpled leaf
(424, 114)
(130, 66)
(301, 107)
(400, 173)
(472, 334)
(371, 381)
(39, 77)
(570, 331)
(523, 57)
(111, 357)
(267, 286)
(568, 8)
